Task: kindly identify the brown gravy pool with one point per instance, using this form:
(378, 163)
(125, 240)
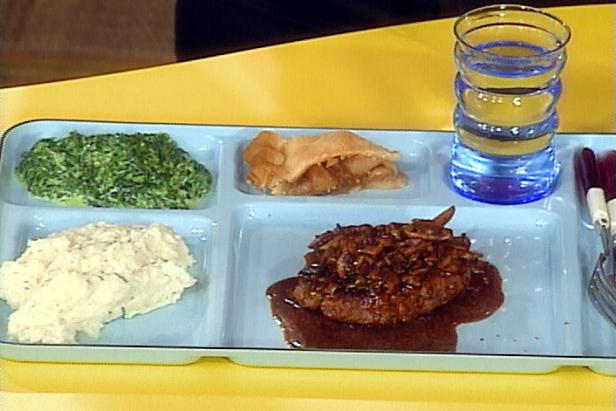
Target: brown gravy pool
(433, 332)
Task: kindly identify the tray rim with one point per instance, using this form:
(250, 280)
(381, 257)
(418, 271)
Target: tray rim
(331, 359)
(280, 127)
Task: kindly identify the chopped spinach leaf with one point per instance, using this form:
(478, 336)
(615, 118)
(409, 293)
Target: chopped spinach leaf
(114, 170)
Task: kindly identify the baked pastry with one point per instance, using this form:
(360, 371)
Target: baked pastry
(330, 163)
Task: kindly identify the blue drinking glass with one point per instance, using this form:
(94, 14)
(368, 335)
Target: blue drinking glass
(509, 59)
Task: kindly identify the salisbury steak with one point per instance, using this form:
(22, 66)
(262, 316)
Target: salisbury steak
(386, 274)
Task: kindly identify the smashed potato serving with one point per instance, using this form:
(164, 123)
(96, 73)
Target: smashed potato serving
(334, 162)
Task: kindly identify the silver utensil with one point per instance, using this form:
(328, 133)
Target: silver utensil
(594, 181)
(602, 291)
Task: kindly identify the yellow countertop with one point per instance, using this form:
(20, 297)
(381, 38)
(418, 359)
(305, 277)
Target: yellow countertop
(397, 77)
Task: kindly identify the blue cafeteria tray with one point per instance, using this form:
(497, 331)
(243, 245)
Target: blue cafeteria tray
(244, 240)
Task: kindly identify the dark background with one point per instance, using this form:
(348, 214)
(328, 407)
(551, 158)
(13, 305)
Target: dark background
(46, 40)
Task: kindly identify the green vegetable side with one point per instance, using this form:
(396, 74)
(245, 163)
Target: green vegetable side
(114, 170)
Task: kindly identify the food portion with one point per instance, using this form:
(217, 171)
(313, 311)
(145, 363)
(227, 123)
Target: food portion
(385, 274)
(397, 278)
(330, 163)
(78, 279)
(114, 170)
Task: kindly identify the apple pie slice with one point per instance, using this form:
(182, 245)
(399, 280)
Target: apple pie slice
(330, 163)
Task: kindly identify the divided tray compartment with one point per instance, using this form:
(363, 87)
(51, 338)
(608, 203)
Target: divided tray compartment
(19, 224)
(205, 149)
(245, 240)
(269, 237)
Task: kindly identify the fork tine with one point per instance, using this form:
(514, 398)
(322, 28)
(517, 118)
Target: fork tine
(604, 284)
(607, 295)
(602, 306)
(604, 281)
(601, 290)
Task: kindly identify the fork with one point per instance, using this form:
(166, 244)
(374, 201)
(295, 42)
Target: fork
(602, 291)
(598, 184)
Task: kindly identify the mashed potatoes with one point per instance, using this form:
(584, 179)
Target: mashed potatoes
(78, 279)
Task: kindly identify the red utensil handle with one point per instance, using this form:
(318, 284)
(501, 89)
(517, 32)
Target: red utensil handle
(586, 169)
(607, 171)
(589, 182)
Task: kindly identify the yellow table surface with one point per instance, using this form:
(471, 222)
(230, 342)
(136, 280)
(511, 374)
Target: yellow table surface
(397, 77)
